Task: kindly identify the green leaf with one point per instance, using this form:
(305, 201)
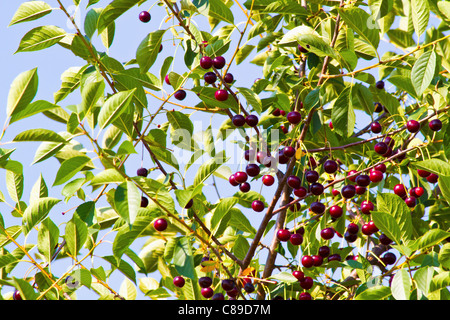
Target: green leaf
(435, 166)
(285, 7)
(148, 50)
(22, 92)
(107, 176)
(221, 211)
(14, 185)
(124, 267)
(444, 256)
(90, 94)
(285, 277)
(112, 11)
(114, 106)
(36, 212)
(356, 19)
(7, 259)
(387, 224)
(70, 168)
(39, 189)
(431, 238)
(39, 135)
(397, 208)
(252, 98)
(374, 293)
(420, 14)
(208, 168)
(423, 71)
(218, 10)
(127, 201)
(29, 11)
(76, 233)
(126, 235)
(48, 236)
(183, 258)
(240, 247)
(422, 278)
(32, 109)
(27, 291)
(40, 38)
(70, 80)
(316, 45)
(401, 285)
(444, 185)
(243, 53)
(342, 115)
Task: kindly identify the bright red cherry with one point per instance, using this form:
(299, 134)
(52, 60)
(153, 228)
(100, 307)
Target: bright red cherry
(413, 126)
(289, 151)
(336, 211)
(365, 229)
(283, 234)
(206, 62)
(221, 95)
(381, 148)
(179, 281)
(327, 233)
(400, 190)
(307, 261)
(298, 274)
(144, 16)
(16, 295)
(416, 192)
(375, 176)
(375, 127)
(258, 205)
(294, 117)
(268, 180)
(240, 176)
(380, 167)
(166, 79)
(160, 224)
(373, 228)
(219, 62)
(367, 206)
(300, 192)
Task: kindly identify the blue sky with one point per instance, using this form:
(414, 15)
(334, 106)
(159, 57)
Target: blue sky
(52, 62)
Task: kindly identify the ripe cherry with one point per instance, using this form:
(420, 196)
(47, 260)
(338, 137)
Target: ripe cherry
(316, 188)
(294, 182)
(423, 173)
(330, 166)
(307, 261)
(324, 251)
(352, 228)
(219, 62)
(144, 202)
(228, 78)
(311, 176)
(435, 124)
(233, 181)
(189, 204)
(380, 167)
(207, 292)
(384, 239)
(251, 120)
(375, 127)
(367, 206)
(381, 148)
(144, 16)
(294, 117)
(300, 192)
(378, 107)
(411, 202)
(334, 257)
(350, 237)
(282, 159)
(353, 178)
(413, 126)
(327, 233)
(210, 77)
(228, 284)
(252, 169)
(180, 94)
(283, 234)
(238, 120)
(298, 274)
(240, 176)
(307, 283)
(296, 239)
(375, 176)
(389, 258)
(360, 190)
(268, 180)
(400, 190)
(362, 180)
(221, 95)
(380, 85)
(258, 205)
(336, 211)
(142, 172)
(432, 178)
(348, 191)
(160, 224)
(179, 281)
(166, 79)
(416, 192)
(16, 295)
(318, 260)
(373, 228)
(244, 187)
(249, 287)
(205, 282)
(317, 207)
(289, 151)
(206, 62)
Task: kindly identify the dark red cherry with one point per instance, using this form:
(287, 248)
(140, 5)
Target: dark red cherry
(252, 169)
(294, 182)
(413, 126)
(411, 202)
(144, 202)
(380, 85)
(307, 283)
(228, 284)
(327, 233)
(316, 188)
(294, 117)
(432, 178)
(205, 282)
(298, 274)
(258, 205)
(324, 251)
(283, 234)
(228, 78)
(318, 260)
(367, 206)
(311, 176)
(330, 166)
(206, 62)
(296, 239)
(381, 148)
(189, 204)
(160, 224)
(435, 124)
(240, 176)
(221, 95)
(350, 237)
(336, 211)
(210, 77)
(348, 191)
(233, 181)
(207, 292)
(251, 120)
(334, 257)
(423, 173)
(400, 190)
(317, 207)
(307, 261)
(289, 151)
(375, 127)
(350, 173)
(238, 120)
(219, 62)
(353, 228)
(384, 239)
(142, 172)
(244, 187)
(378, 107)
(179, 281)
(300, 192)
(180, 94)
(389, 258)
(144, 16)
(268, 180)
(362, 180)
